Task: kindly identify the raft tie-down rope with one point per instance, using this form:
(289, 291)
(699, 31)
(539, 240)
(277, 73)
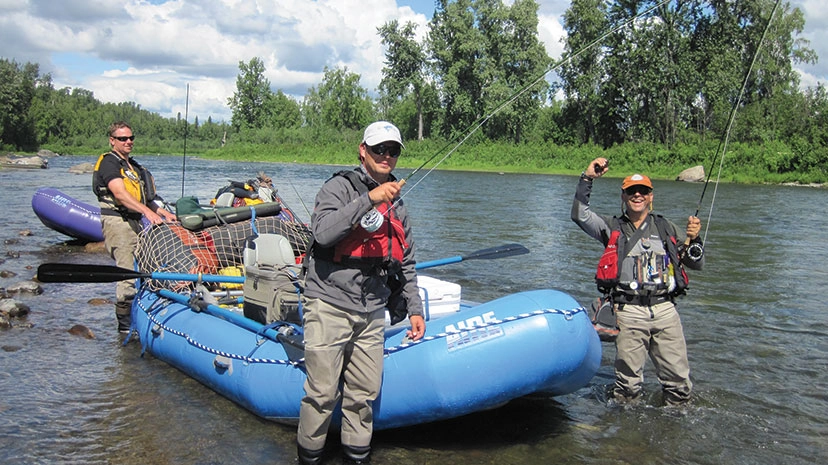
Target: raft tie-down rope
(247, 359)
(568, 315)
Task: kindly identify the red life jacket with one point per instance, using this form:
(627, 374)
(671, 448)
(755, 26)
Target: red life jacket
(378, 248)
(381, 246)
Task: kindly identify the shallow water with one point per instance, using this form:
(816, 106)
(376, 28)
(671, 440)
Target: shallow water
(755, 326)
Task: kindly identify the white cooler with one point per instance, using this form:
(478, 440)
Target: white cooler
(440, 298)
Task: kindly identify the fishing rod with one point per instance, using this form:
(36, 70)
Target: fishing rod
(696, 250)
(373, 219)
(484, 119)
(184, 158)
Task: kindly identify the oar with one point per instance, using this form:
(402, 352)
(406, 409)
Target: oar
(79, 273)
(502, 251)
(76, 273)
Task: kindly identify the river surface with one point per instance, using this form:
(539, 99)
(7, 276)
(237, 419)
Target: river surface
(755, 322)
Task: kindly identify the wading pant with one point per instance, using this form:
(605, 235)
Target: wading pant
(120, 241)
(655, 331)
(346, 345)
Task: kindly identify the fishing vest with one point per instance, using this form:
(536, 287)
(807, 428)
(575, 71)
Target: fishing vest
(655, 268)
(380, 248)
(138, 181)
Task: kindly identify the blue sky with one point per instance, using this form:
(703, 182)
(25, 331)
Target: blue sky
(148, 51)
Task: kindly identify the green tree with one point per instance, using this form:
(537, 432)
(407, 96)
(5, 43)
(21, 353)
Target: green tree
(17, 89)
(404, 70)
(516, 63)
(583, 71)
(248, 103)
(340, 102)
(285, 112)
(490, 66)
(456, 47)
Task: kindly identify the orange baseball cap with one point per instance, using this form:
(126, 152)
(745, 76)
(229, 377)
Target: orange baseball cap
(636, 180)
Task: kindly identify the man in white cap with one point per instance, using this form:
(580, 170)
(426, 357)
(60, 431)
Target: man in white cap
(362, 243)
(642, 272)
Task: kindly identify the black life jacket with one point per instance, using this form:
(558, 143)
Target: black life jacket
(617, 247)
(138, 181)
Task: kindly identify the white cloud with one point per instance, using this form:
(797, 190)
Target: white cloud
(147, 51)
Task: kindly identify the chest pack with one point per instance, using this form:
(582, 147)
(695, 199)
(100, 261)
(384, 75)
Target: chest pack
(644, 272)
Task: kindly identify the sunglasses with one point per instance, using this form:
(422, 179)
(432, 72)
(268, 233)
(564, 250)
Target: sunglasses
(382, 149)
(643, 190)
(123, 138)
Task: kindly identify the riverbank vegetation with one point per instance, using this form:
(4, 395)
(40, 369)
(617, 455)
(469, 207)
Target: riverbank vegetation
(652, 89)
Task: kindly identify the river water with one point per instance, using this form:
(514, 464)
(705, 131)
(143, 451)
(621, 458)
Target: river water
(756, 328)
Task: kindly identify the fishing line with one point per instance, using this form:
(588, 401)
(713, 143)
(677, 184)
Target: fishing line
(731, 118)
(483, 120)
(184, 158)
(299, 196)
(373, 216)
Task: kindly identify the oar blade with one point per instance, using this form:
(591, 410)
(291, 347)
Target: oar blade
(77, 273)
(501, 251)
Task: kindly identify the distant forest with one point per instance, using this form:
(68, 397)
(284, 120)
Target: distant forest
(652, 84)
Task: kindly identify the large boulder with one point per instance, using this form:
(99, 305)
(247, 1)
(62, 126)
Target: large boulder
(82, 168)
(24, 162)
(694, 174)
(43, 153)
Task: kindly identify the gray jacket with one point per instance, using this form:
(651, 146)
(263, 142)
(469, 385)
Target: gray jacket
(338, 209)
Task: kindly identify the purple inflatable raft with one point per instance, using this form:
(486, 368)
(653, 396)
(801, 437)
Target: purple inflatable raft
(68, 215)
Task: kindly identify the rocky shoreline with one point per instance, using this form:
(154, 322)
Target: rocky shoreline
(39, 161)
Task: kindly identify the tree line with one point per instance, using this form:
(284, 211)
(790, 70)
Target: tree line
(652, 82)
(33, 115)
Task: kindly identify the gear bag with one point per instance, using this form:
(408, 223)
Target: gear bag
(273, 293)
(273, 286)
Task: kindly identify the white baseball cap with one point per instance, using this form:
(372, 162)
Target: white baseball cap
(382, 131)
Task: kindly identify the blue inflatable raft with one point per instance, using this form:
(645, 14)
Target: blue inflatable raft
(475, 359)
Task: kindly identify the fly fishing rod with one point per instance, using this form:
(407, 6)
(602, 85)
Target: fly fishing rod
(373, 219)
(184, 158)
(696, 250)
(484, 119)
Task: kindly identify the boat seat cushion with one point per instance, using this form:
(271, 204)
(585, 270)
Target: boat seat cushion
(268, 250)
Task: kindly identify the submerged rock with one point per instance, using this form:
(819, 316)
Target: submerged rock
(81, 330)
(30, 287)
(94, 247)
(13, 309)
(83, 168)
